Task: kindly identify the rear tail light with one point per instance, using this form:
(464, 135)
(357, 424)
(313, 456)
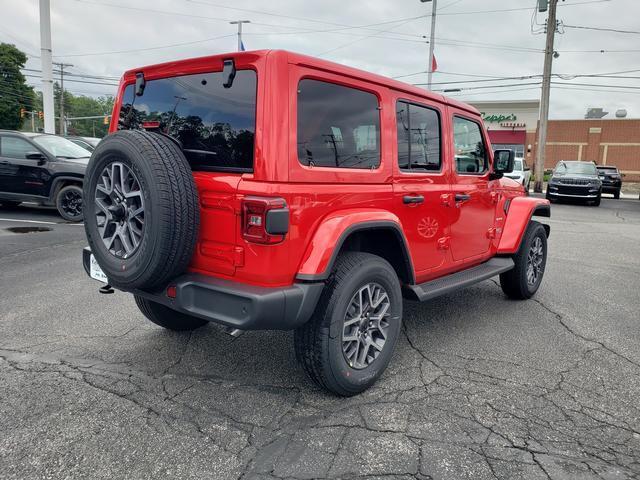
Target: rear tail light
(264, 220)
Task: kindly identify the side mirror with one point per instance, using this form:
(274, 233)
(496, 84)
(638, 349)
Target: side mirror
(502, 163)
(36, 156)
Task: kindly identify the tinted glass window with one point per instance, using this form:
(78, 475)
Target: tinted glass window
(579, 168)
(61, 147)
(470, 151)
(13, 147)
(215, 125)
(337, 126)
(418, 137)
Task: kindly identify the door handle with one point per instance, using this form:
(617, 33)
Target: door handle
(409, 199)
(462, 197)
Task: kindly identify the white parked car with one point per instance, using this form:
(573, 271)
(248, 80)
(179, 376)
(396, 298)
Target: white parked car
(521, 172)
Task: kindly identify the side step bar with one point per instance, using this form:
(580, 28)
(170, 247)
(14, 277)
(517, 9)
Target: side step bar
(459, 280)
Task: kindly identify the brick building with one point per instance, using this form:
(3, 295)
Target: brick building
(607, 141)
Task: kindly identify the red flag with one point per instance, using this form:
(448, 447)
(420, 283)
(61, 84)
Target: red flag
(434, 64)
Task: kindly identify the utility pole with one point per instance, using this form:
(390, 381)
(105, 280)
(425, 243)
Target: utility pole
(63, 123)
(33, 121)
(47, 74)
(239, 23)
(431, 40)
(544, 100)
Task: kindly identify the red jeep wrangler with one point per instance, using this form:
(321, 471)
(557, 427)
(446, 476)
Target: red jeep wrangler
(271, 190)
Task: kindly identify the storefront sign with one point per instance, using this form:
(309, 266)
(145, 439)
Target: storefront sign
(498, 118)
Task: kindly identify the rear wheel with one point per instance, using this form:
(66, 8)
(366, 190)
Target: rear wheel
(350, 339)
(524, 279)
(69, 203)
(166, 317)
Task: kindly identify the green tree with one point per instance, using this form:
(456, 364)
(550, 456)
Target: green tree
(85, 106)
(15, 94)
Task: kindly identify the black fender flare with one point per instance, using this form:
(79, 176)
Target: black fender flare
(60, 179)
(360, 227)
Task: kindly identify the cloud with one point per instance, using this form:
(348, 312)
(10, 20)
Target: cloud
(471, 44)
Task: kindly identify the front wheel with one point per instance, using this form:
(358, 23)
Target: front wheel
(166, 317)
(596, 202)
(349, 341)
(69, 203)
(524, 279)
(616, 194)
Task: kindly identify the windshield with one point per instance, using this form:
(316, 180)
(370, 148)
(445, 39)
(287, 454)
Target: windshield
(517, 165)
(576, 167)
(215, 125)
(61, 147)
(607, 170)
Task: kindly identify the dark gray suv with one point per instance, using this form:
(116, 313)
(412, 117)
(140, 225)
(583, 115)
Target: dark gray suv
(42, 168)
(575, 180)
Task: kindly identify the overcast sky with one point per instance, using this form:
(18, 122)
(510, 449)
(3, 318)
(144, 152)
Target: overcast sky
(473, 37)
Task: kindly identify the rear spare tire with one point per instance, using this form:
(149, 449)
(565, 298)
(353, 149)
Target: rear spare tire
(141, 212)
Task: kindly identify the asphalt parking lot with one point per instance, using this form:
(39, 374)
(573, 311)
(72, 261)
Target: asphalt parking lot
(480, 386)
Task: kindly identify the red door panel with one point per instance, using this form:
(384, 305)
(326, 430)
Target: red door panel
(475, 204)
(421, 184)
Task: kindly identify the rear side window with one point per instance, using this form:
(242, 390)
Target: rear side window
(337, 126)
(418, 137)
(469, 147)
(215, 125)
(12, 147)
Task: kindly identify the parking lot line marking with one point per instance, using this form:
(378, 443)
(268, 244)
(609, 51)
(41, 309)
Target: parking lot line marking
(38, 221)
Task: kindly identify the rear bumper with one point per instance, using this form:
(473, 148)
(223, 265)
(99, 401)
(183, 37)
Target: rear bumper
(611, 188)
(236, 305)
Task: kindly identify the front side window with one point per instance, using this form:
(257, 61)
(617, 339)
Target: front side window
(418, 137)
(215, 125)
(12, 147)
(61, 147)
(469, 147)
(337, 126)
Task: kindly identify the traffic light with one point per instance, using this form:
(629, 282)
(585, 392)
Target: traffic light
(23, 112)
(40, 115)
(106, 120)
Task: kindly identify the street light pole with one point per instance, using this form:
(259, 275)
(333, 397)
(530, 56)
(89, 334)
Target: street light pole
(239, 23)
(47, 69)
(544, 100)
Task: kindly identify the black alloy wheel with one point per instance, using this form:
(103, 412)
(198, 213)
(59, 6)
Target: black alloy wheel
(69, 203)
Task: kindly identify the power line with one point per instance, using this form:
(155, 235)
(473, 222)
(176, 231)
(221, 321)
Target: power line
(76, 81)
(460, 94)
(142, 49)
(569, 87)
(363, 38)
(601, 29)
(519, 8)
